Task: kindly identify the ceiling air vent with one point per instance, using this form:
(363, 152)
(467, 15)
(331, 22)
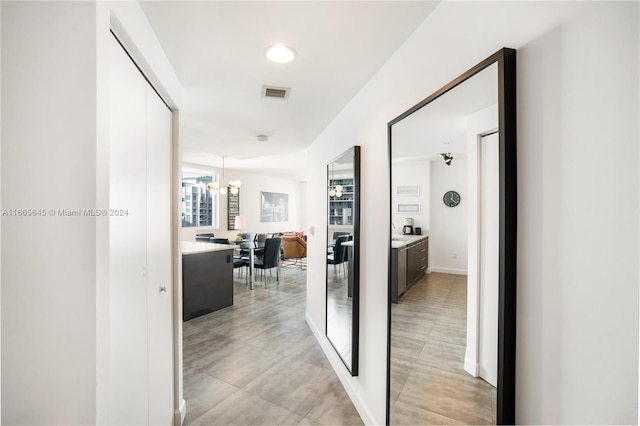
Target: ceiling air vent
(276, 92)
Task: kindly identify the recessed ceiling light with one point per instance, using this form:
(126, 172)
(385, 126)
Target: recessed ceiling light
(280, 54)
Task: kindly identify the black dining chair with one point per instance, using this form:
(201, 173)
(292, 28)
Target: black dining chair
(248, 241)
(249, 237)
(270, 258)
(337, 234)
(239, 262)
(339, 254)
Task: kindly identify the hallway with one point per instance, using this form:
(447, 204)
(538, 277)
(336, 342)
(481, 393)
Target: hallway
(257, 362)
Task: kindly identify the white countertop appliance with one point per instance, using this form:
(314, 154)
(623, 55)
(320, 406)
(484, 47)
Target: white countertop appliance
(407, 229)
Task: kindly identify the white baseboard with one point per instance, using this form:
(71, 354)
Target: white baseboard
(447, 270)
(183, 411)
(345, 378)
(471, 367)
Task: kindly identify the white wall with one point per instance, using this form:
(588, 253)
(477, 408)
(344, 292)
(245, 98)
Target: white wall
(447, 226)
(302, 206)
(448, 233)
(0, 205)
(48, 263)
(252, 186)
(411, 173)
(577, 359)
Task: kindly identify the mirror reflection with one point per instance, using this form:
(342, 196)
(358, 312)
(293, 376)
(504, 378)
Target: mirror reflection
(444, 261)
(343, 175)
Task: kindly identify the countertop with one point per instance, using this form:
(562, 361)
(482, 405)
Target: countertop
(399, 241)
(192, 247)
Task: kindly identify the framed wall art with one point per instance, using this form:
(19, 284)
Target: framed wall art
(408, 190)
(409, 208)
(274, 207)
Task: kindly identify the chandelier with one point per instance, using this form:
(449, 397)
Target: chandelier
(233, 186)
(334, 191)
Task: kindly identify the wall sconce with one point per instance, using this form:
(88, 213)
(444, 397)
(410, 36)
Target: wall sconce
(447, 158)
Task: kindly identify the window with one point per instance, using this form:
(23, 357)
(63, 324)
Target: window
(199, 206)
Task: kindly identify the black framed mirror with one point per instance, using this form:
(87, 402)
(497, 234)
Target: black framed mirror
(343, 257)
(452, 300)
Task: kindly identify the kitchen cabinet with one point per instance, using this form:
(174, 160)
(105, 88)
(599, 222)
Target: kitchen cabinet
(207, 278)
(416, 261)
(409, 261)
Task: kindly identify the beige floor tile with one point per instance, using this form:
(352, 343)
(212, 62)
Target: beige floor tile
(307, 422)
(404, 414)
(294, 385)
(433, 388)
(464, 399)
(243, 408)
(203, 393)
(335, 408)
(444, 355)
(262, 344)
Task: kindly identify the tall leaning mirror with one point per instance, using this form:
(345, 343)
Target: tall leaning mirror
(343, 255)
(452, 254)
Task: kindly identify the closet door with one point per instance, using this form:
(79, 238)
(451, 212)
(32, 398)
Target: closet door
(159, 131)
(141, 344)
(489, 259)
(128, 379)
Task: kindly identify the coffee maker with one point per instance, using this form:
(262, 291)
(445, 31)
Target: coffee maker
(407, 229)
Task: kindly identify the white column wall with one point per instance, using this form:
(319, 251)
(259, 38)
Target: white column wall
(577, 251)
(55, 116)
(48, 263)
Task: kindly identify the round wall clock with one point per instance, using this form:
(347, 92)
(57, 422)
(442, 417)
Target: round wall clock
(451, 198)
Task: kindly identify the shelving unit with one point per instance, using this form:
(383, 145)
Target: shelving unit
(341, 208)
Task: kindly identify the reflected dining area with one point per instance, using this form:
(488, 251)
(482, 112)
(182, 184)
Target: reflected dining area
(342, 270)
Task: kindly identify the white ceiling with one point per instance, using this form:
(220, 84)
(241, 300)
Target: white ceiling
(217, 50)
(441, 125)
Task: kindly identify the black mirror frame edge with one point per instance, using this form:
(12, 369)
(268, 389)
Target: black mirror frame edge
(506, 391)
(355, 313)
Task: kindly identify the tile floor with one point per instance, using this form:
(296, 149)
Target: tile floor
(258, 363)
(428, 339)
